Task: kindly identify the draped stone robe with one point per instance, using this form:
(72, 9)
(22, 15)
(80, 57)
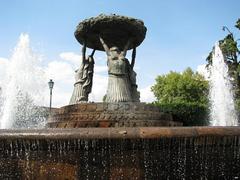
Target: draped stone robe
(118, 89)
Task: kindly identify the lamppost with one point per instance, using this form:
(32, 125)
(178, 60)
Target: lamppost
(50, 84)
(224, 28)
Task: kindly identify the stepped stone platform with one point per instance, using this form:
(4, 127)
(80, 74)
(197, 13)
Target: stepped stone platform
(109, 115)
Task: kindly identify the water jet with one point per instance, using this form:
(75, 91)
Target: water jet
(223, 111)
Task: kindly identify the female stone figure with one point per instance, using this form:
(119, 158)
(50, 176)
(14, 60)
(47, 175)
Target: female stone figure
(119, 87)
(83, 77)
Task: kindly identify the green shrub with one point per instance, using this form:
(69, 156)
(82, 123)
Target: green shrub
(190, 114)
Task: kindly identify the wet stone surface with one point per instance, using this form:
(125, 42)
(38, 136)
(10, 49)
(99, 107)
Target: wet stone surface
(199, 157)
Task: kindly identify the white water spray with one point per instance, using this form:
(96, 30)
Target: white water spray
(23, 87)
(221, 95)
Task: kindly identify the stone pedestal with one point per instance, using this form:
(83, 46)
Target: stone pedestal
(109, 115)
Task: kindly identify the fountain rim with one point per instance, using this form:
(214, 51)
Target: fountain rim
(119, 133)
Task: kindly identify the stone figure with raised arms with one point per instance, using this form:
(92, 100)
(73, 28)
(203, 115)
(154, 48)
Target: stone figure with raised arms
(119, 89)
(83, 78)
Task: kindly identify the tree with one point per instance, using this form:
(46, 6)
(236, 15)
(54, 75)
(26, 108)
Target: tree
(189, 87)
(238, 24)
(184, 95)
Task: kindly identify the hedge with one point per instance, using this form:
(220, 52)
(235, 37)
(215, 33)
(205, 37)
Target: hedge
(190, 114)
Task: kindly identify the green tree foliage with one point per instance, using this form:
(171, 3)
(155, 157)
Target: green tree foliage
(184, 95)
(229, 48)
(189, 87)
(238, 24)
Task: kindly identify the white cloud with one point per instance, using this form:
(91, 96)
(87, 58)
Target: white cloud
(73, 58)
(62, 74)
(146, 95)
(61, 97)
(76, 59)
(99, 88)
(99, 69)
(60, 71)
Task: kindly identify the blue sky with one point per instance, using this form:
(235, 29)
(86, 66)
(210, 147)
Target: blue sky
(180, 32)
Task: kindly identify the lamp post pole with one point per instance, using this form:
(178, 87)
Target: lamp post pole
(50, 84)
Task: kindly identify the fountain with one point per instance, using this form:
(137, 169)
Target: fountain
(22, 89)
(120, 138)
(221, 95)
(122, 108)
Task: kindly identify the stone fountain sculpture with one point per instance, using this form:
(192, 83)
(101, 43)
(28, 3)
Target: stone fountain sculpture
(115, 35)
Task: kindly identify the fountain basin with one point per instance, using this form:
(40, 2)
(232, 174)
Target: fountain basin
(129, 153)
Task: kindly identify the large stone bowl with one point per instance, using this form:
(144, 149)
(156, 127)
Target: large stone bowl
(114, 29)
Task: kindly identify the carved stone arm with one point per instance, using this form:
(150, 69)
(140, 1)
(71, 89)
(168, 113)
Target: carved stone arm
(84, 52)
(133, 57)
(124, 52)
(93, 52)
(106, 48)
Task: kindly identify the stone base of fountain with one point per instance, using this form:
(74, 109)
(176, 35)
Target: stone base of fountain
(109, 115)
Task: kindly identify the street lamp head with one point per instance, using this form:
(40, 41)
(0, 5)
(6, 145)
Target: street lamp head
(50, 84)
